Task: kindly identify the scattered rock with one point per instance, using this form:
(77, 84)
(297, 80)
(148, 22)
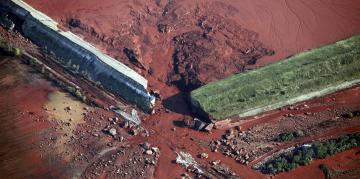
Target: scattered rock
(204, 155)
(155, 149)
(199, 125)
(112, 131)
(216, 162)
(133, 117)
(224, 170)
(186, 160)
(185, 176)
(146, 146)
(149, 152)
(121, 138)
(209, 127)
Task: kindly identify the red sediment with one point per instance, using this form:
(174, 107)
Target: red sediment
(24, 122)
(236, 27)
(153, 29)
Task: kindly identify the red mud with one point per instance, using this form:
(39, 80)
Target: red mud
(23, 120)
(235, 29)
(149, 27)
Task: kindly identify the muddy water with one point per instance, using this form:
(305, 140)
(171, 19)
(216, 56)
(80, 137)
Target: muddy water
(22, 123)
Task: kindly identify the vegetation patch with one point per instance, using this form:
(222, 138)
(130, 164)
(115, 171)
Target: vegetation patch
(352, 114)
(6, 49)
(287, 136)
(306, 75)
(305, 154)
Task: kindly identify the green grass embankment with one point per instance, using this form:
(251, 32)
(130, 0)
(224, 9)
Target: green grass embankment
(304, 76)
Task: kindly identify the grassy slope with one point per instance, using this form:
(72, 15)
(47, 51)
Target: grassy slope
(299, 75)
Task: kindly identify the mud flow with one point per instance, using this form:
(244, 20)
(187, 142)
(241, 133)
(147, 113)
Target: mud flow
(194, 43)
(213, 54)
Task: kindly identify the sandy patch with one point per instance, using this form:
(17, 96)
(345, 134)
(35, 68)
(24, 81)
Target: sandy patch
(68, 113)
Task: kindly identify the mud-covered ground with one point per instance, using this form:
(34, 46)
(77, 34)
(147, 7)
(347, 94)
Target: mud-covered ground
(191, 43)
(178, 46)
(25, 127)
(63, 137)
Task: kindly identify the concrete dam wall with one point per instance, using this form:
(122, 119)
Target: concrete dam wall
(113, 75)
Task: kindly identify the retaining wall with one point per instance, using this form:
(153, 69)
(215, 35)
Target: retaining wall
(113, 75)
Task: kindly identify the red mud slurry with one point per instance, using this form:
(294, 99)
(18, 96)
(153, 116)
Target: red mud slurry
(184, 139)
(285, 26)
(346, 160)
(290, 27)
(22, 122)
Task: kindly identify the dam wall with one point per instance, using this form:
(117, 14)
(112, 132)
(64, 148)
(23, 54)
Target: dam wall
(98, 67)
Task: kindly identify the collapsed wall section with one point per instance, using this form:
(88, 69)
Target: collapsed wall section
(113, 75)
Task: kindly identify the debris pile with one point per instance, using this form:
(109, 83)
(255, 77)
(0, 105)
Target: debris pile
(239, 145)
(187, 161)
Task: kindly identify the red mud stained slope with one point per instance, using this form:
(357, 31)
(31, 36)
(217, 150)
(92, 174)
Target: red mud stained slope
(192, 43)
(344, 161)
